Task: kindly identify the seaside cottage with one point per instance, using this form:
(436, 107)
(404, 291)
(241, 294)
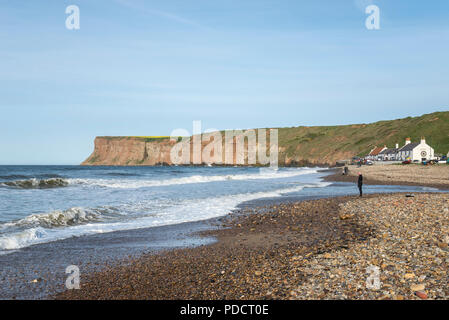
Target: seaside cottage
(416, 151)
(382, 155)
(389, 154)
(375, 153)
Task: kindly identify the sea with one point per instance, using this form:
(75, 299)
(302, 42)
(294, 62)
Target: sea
(55, 216)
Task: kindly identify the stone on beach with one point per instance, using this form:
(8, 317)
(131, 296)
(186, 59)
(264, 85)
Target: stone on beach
(421, 294)
(383, 251)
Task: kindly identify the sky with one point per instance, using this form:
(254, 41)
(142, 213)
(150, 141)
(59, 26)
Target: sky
(144, 68)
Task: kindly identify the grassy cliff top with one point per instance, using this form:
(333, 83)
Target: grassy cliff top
(361, 138)
(317, 142)
(146, 138)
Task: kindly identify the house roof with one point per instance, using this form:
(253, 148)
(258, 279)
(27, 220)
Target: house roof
(376, 151)
(389, 151)
(409, 147)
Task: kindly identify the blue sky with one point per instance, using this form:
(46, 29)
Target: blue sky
(148, 67)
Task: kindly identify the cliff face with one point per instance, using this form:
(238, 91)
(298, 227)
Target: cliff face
(135, 151)
(129, 151)
(298, 146)
(141, 151)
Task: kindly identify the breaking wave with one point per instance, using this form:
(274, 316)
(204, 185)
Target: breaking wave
(37, 183)
(25, 176)
(21, 239)
(45, 227)
(57, 225)
(69, 217)
(265, 173)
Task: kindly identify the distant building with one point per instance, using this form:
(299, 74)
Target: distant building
(374, 153)
(389, 154)
(415, 151)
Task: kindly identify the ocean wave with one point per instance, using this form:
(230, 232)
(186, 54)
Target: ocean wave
(21, 239)
(58, 225)
(70, 217)
(121, 174)
(28, 176)
(34, 183)
(13, 176)
(64, 218)
(264, 173)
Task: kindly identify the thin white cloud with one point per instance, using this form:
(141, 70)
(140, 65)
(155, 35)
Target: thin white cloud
(163, 14)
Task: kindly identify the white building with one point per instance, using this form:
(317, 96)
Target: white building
(389, 154)
(374, 153)
(416, 151)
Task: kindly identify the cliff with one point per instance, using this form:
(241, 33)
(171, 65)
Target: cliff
(319, 145)
(130, 151)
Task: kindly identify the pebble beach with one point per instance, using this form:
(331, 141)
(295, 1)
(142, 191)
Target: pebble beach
(436, 176)
(409, 249)
(391, 246)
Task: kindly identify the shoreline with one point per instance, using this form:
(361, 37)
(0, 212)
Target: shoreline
(269, 252)
(90, 253)
(337, 176)
(38, 279)
(110, 251)
(199, 269)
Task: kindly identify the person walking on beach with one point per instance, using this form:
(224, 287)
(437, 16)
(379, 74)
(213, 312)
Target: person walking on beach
(360, 183)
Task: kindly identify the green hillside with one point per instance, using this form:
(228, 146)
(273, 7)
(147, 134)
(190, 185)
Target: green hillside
(298, 146)
(328, 143)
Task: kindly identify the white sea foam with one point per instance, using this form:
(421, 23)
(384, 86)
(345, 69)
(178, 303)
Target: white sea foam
(431, 189)
(264, 173)
(61, 218)
(22, 239)
(59, 225)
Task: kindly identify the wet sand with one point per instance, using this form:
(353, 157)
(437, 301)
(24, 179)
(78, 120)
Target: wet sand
(38, 271)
